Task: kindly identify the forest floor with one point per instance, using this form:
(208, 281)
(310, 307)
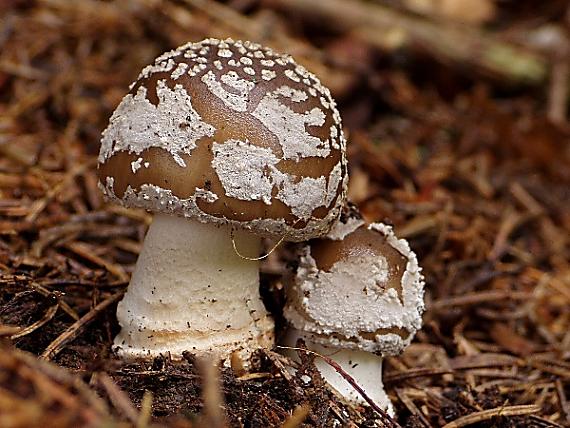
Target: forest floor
(458, 136)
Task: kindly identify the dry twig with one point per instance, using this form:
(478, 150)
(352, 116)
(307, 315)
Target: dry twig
(73, 331)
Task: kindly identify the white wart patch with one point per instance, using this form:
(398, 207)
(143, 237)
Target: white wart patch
(290, 127)
(137, 124)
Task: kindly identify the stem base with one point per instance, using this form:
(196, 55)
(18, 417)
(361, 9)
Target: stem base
(190, 291)
(364, 367)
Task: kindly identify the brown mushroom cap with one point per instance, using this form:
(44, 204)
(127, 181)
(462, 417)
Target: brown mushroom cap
(359, 243)
(358, 288)
(229, 132)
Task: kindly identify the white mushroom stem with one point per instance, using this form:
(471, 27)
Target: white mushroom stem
(364, 367)
(190, 291)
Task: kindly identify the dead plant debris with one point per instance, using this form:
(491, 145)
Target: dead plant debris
(458, 136)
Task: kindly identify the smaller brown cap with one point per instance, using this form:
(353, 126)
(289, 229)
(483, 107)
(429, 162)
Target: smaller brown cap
(358, 288)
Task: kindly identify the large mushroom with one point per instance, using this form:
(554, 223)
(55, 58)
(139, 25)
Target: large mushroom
(356, 297)
(226, 142)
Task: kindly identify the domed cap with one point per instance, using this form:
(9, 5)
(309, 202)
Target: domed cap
(360, 288)
(229, 132)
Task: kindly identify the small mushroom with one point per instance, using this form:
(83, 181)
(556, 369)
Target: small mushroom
(226, 142)
(356, 297)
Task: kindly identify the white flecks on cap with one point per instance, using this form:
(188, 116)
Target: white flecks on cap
(206, 195)
(243, 170)
(412, 276)
(296, 95)
(334, 181)
(137, 124)
(268, 74)
(303, 196)
(290, 127)
(291, 75)
(157, 67)
(324, 102)
(281, 61)
(252, 46)
(136, 165)
(225, 53)
(302, 71)
(168, 55)
(306, 194)
(333, 132)
(235, 101)
(180, 69)
(282, 65)
(249, 172)
(196, 69)
(211, 41)
(267, 62)
(344, 306)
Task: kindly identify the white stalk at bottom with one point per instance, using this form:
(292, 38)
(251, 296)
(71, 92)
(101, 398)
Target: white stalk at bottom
(364, 367)
(190, 291)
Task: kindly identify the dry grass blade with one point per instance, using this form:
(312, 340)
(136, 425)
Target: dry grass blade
(86, 252)
(9, 330)
(213, 411)
(412, 408)
(297, 417)
(146, 411)
(71, 333)
(485, 415)
(252, 376)
(480, 297)
(46, 293)
(119, 398)
(564, 405)
(558, 94)
(31, 390)
(413, 373)
(538, 422)
(483, 360)
(237, 364)
(50, 313)
(40, 204)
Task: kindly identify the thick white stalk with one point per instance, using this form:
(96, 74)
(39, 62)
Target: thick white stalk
(364, 367)
(190, 291)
